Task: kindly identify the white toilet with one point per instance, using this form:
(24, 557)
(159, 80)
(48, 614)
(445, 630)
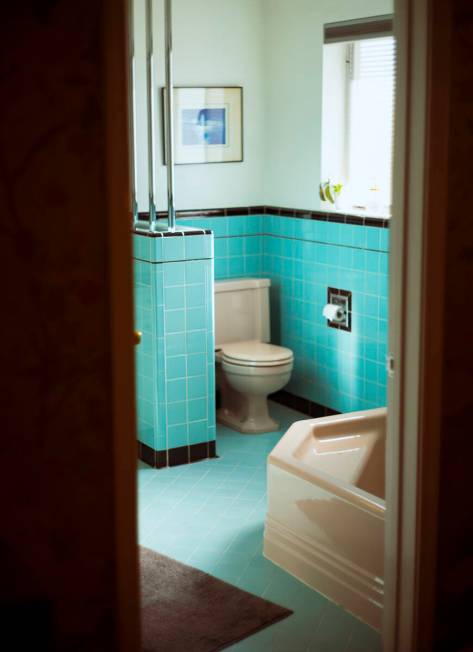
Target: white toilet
(248, 367)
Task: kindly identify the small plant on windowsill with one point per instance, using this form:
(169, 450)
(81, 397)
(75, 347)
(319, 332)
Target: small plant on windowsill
(330, 192)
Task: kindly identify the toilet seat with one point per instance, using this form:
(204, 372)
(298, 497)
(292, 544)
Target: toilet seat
(255, 354)
(260, 371)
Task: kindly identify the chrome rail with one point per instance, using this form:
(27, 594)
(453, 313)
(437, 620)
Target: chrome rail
(150, 95)
(131, 110)
(169, 116)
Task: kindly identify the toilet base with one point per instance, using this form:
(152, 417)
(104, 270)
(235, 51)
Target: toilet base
(247, 426)
(244, 396)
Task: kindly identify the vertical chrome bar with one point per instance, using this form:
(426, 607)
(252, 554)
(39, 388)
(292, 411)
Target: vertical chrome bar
(150, 84)
(169, 116)
(131, 109)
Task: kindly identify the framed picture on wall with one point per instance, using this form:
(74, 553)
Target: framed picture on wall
(208, 124)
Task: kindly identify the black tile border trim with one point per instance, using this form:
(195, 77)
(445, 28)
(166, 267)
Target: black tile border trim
(303, 405)
(208, 450)
(177, 456)
(340, 218)
(243, 211)
(147, 454)
(171, 234)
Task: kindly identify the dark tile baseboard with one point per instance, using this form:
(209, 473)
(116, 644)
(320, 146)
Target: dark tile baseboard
(303, 405)
(207, 450)
(176, 456)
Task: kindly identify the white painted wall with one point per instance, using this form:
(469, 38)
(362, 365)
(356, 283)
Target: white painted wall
(273, 48)
(140, 106)
(293, 66)
(334, 100)
(216, 43)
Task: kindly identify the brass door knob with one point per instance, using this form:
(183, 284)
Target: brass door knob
(136, 338)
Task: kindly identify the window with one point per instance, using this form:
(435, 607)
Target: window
(357, 121)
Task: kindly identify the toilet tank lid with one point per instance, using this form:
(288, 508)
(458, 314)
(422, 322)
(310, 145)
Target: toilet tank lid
(233, 284)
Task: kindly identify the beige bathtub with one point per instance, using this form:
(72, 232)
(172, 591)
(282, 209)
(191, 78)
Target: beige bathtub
(325, 522)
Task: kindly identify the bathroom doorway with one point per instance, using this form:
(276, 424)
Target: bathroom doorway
(239, 253)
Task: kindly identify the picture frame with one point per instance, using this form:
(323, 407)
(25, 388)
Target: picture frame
(208, 124)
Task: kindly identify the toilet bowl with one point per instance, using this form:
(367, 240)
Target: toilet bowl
(249, 371)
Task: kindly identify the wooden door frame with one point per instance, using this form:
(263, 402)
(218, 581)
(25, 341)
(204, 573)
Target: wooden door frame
(115, 43)
(417, 270)
(416, 283)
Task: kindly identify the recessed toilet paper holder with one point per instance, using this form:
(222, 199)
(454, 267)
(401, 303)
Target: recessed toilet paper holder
(340, 318)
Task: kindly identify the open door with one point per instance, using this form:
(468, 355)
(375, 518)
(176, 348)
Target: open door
(121, 323)
(414, 386)
(416, 295)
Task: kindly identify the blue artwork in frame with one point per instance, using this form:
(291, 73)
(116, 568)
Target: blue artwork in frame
(204, 126)
(208, 124)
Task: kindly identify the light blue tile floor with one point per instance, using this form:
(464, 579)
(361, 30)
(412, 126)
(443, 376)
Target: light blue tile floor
(210, 515)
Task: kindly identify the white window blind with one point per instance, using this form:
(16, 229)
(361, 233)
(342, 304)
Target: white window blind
(376, 58)
(371, 66)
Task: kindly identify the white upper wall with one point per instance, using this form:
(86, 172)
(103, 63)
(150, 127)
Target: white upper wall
(273, 49)
(294, 65)
(334, 99)
(215, 43)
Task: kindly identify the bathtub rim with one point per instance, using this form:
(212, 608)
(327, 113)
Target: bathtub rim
(279, 457)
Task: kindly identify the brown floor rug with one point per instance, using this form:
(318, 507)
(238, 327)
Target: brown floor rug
(186, 610)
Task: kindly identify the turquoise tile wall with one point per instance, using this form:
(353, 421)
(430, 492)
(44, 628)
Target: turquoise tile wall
(175, 361)
(343, 371)
(238, 244)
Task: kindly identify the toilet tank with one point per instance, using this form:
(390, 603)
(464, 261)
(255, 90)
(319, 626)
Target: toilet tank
(242, 310)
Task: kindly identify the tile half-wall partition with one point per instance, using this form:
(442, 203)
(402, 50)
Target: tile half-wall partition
(175, 368)
(344, 371)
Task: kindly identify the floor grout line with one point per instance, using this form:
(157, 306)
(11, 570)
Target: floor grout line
(213, 519)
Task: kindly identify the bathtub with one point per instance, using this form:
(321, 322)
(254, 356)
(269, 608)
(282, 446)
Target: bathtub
(326, 508)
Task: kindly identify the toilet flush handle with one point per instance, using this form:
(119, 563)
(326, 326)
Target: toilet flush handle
(137, 338)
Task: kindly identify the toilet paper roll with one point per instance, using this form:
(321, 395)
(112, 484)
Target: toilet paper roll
(332, 312)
